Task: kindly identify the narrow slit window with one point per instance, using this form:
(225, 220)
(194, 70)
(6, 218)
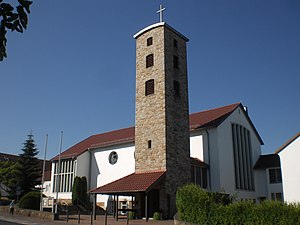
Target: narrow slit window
(175, 43)
(149, 144)
(149, 41)
(176, 88)
(149, 60)
(149, 87)
(176, 62)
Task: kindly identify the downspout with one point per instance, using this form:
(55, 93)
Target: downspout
(208, 154)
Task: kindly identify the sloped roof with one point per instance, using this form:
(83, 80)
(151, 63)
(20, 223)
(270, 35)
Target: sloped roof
(212, 117)
(287, 143)
(204, 119)
(135, 182)
(267, 161)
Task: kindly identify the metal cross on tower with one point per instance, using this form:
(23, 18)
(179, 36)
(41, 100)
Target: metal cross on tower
(160, 11)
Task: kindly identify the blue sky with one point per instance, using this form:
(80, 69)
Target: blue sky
(73, 70)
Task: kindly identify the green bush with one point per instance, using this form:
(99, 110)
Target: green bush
(200, 207)
(157, 216)
(31, 200)
(131, 215)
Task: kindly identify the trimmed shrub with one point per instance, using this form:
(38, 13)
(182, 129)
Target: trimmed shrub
(200, 207)
(31, 200)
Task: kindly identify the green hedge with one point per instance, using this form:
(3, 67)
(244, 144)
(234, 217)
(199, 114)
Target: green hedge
(200, 207)
(30, 201)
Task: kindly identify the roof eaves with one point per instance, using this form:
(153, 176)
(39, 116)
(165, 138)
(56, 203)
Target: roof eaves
(287, 143)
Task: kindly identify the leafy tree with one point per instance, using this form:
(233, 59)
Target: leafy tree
(14, 19)
(28, 170)
(8, 177)
(79, 192)
(76, 190)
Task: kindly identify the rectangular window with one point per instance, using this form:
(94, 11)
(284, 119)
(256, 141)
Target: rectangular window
(199, 176)
(149, 41)
(175, 62)
(64, 175)
(149, 60)
(175, 43)
(149, 87)
(149, 144)
(176, 88)
(242, 152)
(275, 175)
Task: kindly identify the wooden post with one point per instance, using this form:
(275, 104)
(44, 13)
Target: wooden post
(117, 212)
(78, 216)
(91, 217)
(105, 220)
(146, 206)
(94, 205)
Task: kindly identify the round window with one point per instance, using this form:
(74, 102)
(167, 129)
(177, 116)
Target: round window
(113, 158)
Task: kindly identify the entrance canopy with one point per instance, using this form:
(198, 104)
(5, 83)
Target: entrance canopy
(135, 182)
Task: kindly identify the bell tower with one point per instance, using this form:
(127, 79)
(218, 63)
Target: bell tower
(162, 112)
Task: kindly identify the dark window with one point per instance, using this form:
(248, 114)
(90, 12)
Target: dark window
(175, 62)
(175, 43)
(149, 41)
(149, 144)
(149, 87)
(242, 150)
(275, 176)
(149, 60)
(199, 176)
(176, 88)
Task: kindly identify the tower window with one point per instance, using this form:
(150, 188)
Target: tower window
(149, 144)
(176, 88)
(175, 43)
(149, 60)
(149, 87)
(175, 62)
(149, 41)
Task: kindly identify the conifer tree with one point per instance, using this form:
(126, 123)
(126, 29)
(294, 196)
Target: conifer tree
(28, 170)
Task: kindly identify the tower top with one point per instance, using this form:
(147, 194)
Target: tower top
(160, 11)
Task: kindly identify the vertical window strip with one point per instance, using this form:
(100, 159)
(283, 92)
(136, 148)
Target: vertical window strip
(235, 155)
(149, 60)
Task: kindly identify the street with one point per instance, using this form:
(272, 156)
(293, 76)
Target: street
(2, 222)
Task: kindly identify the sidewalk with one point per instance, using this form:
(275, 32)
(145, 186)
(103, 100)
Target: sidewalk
(84, 220)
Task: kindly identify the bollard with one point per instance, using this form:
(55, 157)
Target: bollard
(78, 216)
(127, 219)
(105, 219)
(68, 215)
(91, 218)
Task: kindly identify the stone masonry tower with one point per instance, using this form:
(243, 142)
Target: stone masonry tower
(162, 115)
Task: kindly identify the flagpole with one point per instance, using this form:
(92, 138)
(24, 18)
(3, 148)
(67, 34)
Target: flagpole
(58, 172)
(43, 174)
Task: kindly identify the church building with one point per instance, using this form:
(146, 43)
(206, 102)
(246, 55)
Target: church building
(140, 168)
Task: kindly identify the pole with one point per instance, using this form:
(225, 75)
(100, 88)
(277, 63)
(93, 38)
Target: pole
(58, 171)
(43, 174)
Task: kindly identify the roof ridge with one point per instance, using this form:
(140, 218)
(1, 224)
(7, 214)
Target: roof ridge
(207, 110)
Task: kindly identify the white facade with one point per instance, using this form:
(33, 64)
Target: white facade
(289, 156)
(212, 145)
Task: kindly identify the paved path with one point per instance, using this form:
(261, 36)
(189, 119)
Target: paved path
(84, 220)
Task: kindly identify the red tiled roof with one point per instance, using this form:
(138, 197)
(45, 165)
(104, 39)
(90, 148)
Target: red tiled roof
(212, 117)
(99, 140)
(209, 118)
(287, 143)
(135, 182)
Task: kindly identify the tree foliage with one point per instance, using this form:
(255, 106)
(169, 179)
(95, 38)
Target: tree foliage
(28, 170)
(79, 192)
(14, 19)
(8, 176)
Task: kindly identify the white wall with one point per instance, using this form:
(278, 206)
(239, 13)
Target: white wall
(226, 172)
(102, 172)
(290, 169)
